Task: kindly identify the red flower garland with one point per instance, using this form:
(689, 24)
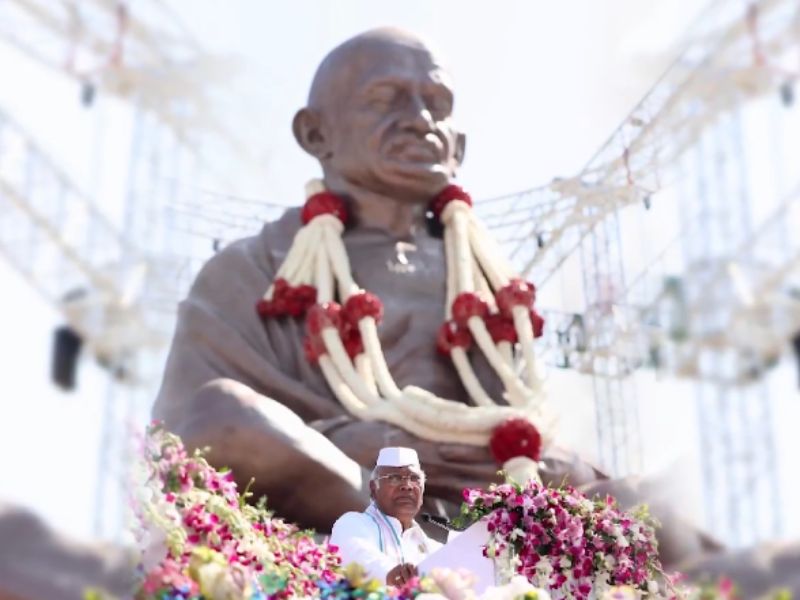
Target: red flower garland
(320, 316)
(515, 437)
(501, 329)
(351, 338)
(362, 304)
(313, 348)
(468, 305)
(538, 324)
(451, 335)
(516, 293)
(323, 203)
(447, 195)
(287, 300)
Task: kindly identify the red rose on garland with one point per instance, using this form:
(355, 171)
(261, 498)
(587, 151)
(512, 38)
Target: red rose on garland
(323, 203)
(516, 445)
(287, 300)
(446, 196)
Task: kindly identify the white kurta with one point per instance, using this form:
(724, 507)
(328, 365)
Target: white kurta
(378, 543)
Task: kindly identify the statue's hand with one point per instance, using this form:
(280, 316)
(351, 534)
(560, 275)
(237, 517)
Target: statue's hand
(560, 466)
(449, 468)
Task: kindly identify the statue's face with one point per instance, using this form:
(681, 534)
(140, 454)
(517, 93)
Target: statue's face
(399, 493)
(390, 121)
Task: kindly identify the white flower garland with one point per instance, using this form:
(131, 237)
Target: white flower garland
(363, 383)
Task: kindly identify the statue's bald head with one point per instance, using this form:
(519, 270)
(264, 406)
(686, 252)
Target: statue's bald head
(357, 55)
(379, 116)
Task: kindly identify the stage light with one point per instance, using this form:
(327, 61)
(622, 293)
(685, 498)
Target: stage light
(787, 93)
(66, 351)
(88, 92)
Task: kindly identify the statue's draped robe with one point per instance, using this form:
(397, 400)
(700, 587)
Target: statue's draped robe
(219, 333)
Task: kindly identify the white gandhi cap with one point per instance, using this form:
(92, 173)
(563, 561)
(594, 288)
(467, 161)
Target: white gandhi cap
(397, 457)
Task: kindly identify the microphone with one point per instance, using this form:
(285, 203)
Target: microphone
(440, 522)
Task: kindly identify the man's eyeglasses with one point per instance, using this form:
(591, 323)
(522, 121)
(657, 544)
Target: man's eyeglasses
(398, 479)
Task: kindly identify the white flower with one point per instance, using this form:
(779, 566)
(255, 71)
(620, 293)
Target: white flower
(155, 549)
(638, 533)
(625, 562)
(503, 565)
(222, 583)
(620, 593)
(145, 495)
(600, 584)
(455, 584)
(521, 469)
(544, 568)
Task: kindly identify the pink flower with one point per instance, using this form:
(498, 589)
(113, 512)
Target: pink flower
(726, 588)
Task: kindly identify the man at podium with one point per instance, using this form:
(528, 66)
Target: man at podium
(385, 539)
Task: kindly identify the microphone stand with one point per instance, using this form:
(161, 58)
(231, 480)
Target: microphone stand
(440, 522)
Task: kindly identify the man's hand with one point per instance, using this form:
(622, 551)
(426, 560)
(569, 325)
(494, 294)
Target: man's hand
(401, 574)
(449, 468)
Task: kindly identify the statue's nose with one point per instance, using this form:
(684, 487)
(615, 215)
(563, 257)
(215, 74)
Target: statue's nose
(418, 116)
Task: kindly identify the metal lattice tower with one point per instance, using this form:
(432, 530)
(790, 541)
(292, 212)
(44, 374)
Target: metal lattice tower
(115, 282)
(737, 451)
(616, 404)
(78, 260)
(67, 249)
(682, 310)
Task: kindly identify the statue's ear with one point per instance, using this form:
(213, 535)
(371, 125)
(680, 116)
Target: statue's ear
(461, 148)
(311, 133)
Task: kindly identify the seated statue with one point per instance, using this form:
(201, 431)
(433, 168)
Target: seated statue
(379, 121)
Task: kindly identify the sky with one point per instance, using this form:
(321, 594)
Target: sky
(540, 86)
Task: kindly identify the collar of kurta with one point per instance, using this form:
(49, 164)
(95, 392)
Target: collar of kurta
(394, 522)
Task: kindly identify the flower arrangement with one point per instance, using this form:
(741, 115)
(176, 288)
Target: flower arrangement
(562, 541)
(201, 539)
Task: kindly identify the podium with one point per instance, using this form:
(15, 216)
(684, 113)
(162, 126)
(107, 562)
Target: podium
(465, 551)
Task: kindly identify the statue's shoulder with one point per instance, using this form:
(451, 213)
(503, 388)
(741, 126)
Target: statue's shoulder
(257, 256)
(276, 236)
